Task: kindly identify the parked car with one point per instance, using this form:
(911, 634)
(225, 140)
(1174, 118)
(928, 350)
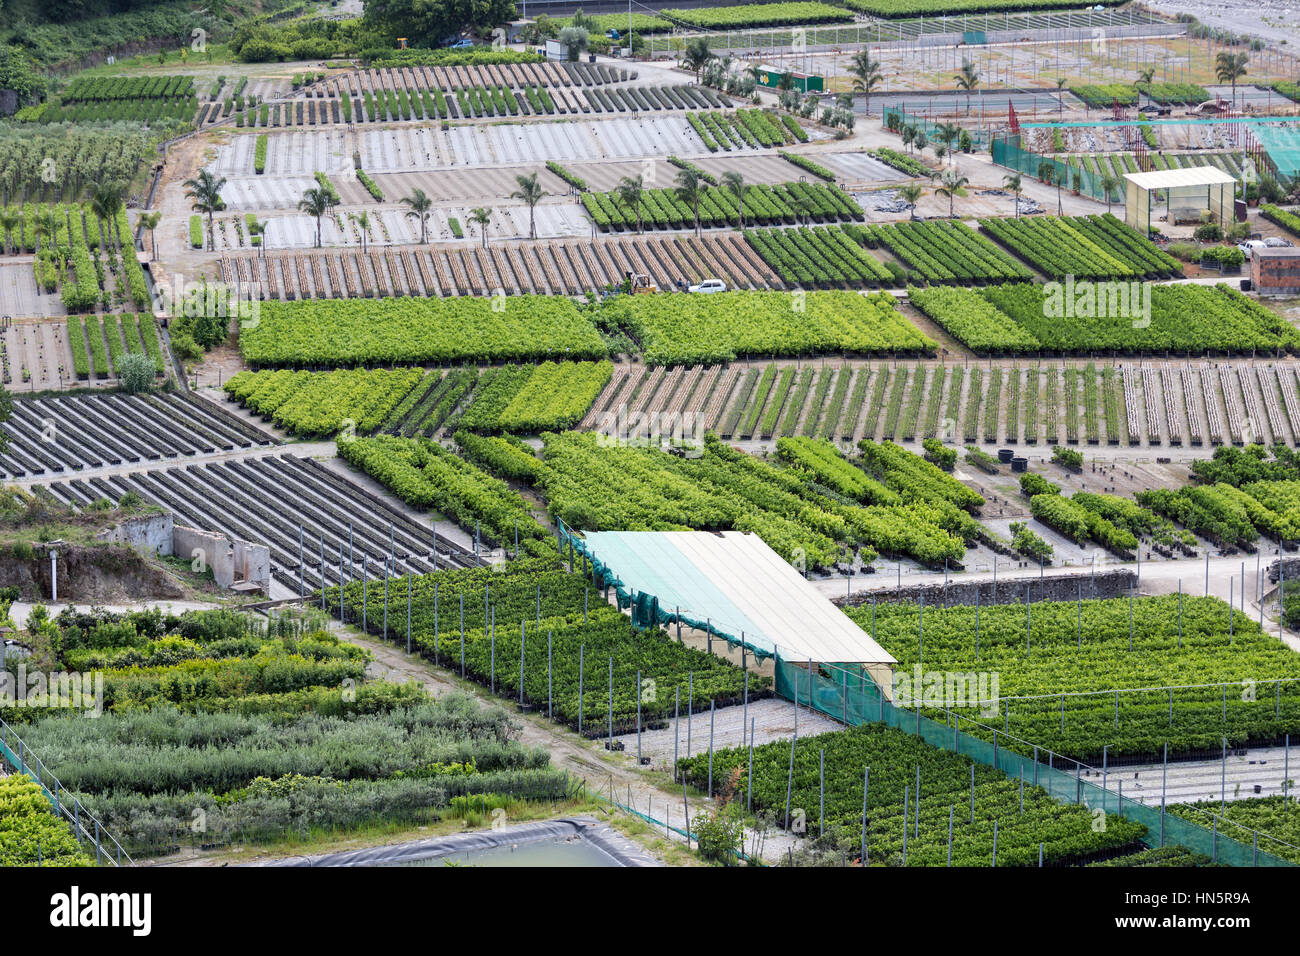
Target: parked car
(1277, 242)
(709, 285)
(1250, 245)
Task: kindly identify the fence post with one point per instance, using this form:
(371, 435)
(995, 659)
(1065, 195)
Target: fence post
(365, 590)
(492, 651)
(435, 623)
(905, 803)
(712, 710)
(690, 707)
(789, 780)
(611, 705)
(749, 780)
(581, 649)
(638, 718)
(950, 808)
(462, 636)
(677, 716)
(550, 688)
(523, 643)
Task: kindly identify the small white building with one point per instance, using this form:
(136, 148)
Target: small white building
(1189, 193)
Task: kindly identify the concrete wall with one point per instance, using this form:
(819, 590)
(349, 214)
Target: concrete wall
(148, 533)
(1053, 587)
(232, 561)
(1291, 567)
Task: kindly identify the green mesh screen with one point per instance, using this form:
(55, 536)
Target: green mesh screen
(847, 694)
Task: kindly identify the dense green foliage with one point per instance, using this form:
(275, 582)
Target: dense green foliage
(1082, 650)
(885, 762)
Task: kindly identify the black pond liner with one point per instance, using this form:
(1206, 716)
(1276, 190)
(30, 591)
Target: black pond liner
(620, 849)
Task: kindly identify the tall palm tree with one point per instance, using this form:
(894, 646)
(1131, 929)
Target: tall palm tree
(150, 220)
(697, 56)
(1012, 182)
(362, 219)
(629, 191)
(9, 221)
(968, 79)
(205, 192)
(948, 133)
(734, 183)
(530, 192)
(1229, 68)
(952, 186)
(910, 193)
(481, 216)
(418, 205)
(317, 202)
(1108, 185)
(866, 75)
(105, 204)
(260, 225)
(689, 190)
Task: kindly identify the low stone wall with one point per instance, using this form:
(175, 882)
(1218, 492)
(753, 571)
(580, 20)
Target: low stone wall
(1290, 566)
(1052, 587)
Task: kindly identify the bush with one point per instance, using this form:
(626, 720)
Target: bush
(1034, 484)
(1028, 543)
(136, 373)
(937, 453)
(718, 833)
(1209, 232)
(1067, 458)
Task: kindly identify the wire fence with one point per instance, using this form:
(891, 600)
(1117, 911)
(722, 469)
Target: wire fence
(85, 826)
(854, 699)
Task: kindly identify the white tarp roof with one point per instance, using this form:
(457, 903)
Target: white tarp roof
(1179, 178)
(741, 587)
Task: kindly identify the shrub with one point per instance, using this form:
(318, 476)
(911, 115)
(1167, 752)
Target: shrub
(937, 453)
(136, 372)
(1067, 458)
(1034, 484)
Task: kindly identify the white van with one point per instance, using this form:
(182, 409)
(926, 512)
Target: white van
(1249, 246)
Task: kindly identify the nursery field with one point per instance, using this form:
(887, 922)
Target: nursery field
(53, 436)
(815, 506)
(764, 205)
(1192, 405)
(1079, 676)
(1086, 247)
(878, 767)
(570, 646)
(315, 333)
(90, 262)
(268, 729)
(722, 327)
(554, 267)
(552, 395)
(298, 507)
(136, 99)
(1183, 319)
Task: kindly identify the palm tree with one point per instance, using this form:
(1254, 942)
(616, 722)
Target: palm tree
(481, 216)
(1012, 182)
(105, 204)
(911, 192)
(697, 56)
(362, 219)
(1229, 68)
(317, 202)
(629, 191)
(150, 221)
(948, 133)
(1108, 185)
(690, 189)
(968, 79)
(953, 186)
(418, 206)
(205, 191)
(866, 75)
(1060, 95)
(735, 183)
(530, 192)
(260, 226)
(9, 221)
